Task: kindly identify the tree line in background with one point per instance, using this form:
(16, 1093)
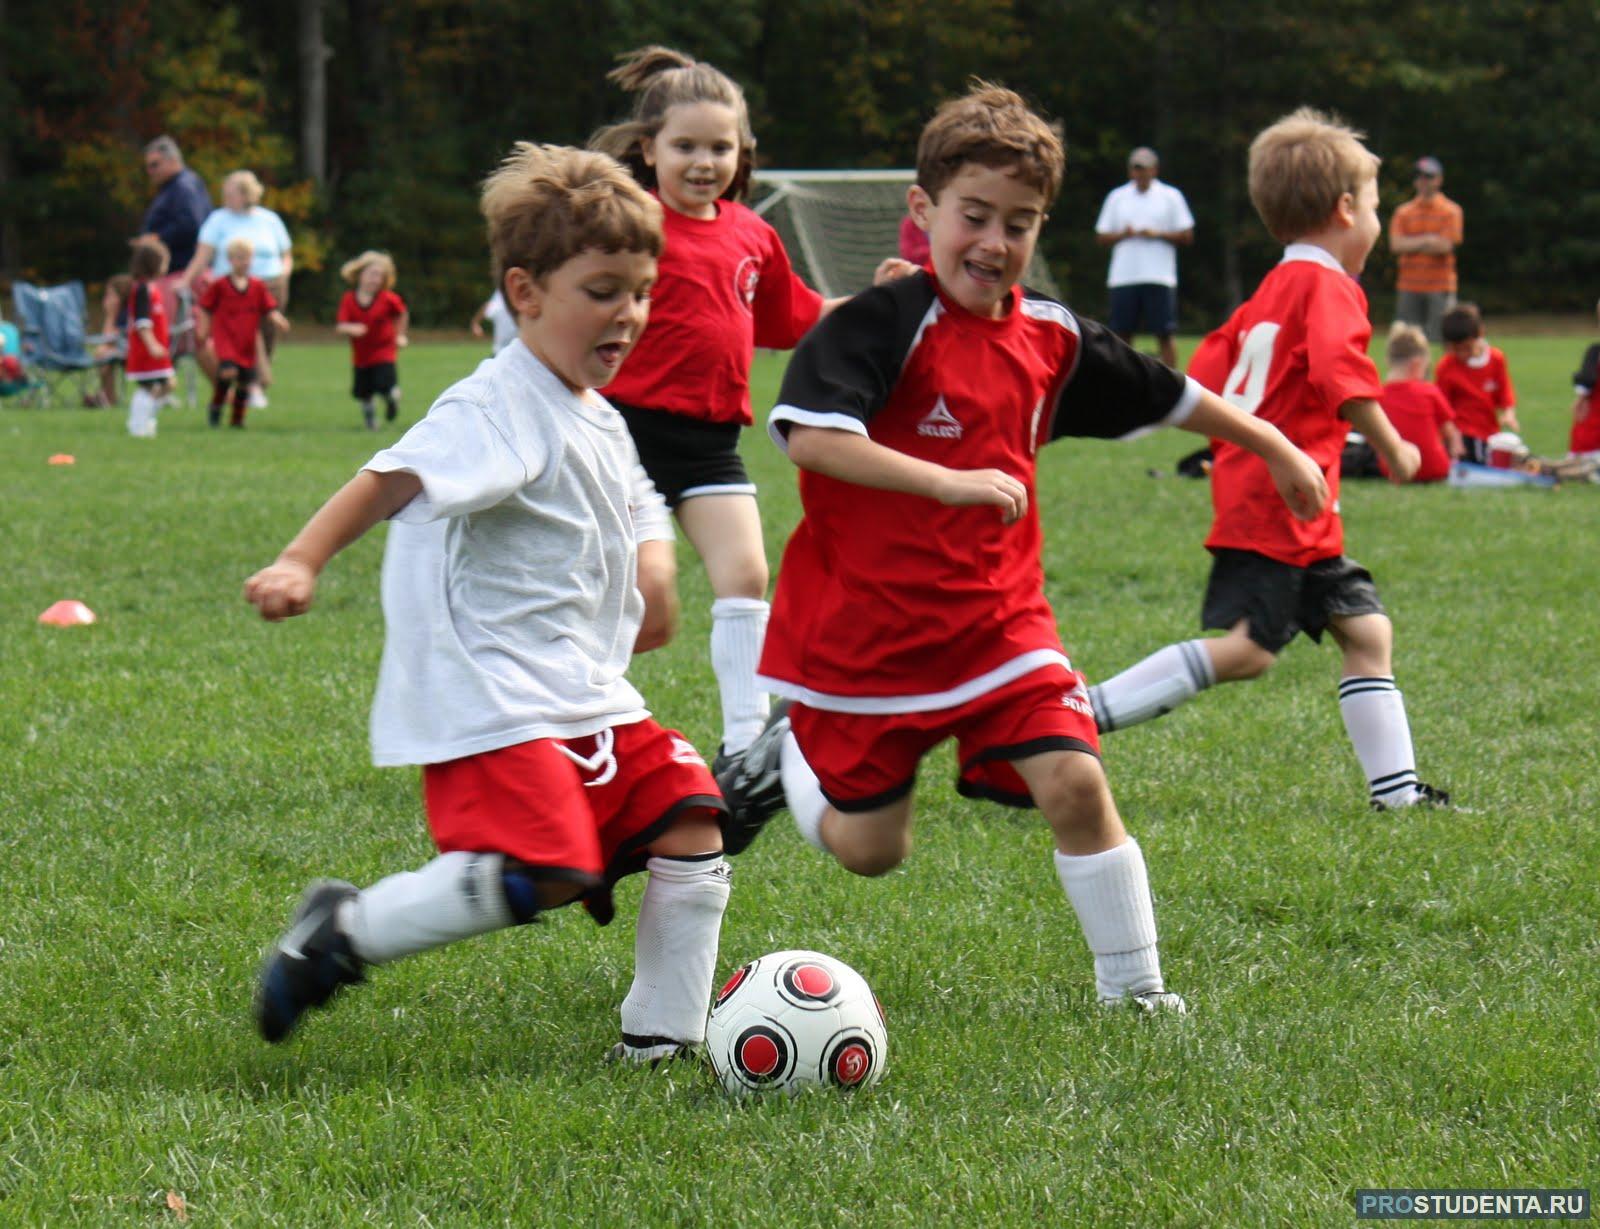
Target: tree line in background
(372, 121)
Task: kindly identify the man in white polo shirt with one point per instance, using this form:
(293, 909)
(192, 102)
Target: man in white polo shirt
(1143, 222)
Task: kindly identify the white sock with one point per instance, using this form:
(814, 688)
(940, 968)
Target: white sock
(675, 950)
(1110, 892)
(738, 626)
(802, 791)
(141, 414)
(1374, 715)
(455, 896)
(1156, 685)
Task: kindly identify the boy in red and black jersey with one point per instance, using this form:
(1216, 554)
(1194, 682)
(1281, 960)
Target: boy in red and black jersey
(910, 606)
(1475, 380)
(149, 361)
(229, 313)
(375, 320)
(1295, 355)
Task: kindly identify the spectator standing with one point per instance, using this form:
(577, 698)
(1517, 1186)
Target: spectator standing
(1424, 233)
(1143, 223)
(181, 202)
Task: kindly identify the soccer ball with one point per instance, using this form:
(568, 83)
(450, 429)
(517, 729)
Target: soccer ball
(796, 1018)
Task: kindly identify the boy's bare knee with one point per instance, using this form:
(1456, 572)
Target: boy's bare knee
(742, 578)
(1236, 658)
(1073, 791)
(869, 850)
(872, 862)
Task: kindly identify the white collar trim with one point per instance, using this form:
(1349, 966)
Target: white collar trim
(1311, 252)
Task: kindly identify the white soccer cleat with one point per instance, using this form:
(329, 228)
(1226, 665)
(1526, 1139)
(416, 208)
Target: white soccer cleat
(1149, 1003)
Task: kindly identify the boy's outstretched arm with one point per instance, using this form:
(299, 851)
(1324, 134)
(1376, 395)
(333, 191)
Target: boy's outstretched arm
(1401, 456)
(855, 458)
(284, 588)
(1296, 475)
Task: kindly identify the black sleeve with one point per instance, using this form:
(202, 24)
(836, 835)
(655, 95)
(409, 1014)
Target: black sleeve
(848, 364)
(1112, 390)
(141, 302)
(1589, 370)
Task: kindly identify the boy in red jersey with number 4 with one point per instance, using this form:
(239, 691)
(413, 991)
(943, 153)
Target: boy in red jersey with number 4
(1295, 355)
(910, 607)
(375, 319)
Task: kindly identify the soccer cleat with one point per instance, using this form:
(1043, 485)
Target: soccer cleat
(258, 397)
(1425, 796)
(1150, 1003)
(312, 960)
(654, 1055)
(752, 785)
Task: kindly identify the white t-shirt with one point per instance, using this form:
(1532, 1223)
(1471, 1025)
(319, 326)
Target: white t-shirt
(510, 600)
(499, 314)
(1137, 262)
(265, 230)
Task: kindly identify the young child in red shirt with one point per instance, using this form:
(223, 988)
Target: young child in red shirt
(229, 314)
(1417, 408)
(1295, 355)
(375, 320)
(1585, 437)
(910, 606)
(1474, 379)
(149, 361)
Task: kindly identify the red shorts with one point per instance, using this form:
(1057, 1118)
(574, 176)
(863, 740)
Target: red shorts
(590, 817)
(868, 760)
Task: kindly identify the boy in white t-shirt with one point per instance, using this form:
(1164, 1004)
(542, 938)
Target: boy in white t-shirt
(1143, 222)
(512, 609)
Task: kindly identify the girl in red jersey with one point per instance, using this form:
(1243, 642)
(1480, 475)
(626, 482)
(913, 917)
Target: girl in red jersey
(149, 363)
(229, 314)
(375, 320)
(725, 287)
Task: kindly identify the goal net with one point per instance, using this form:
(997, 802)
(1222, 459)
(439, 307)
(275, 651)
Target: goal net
(838, 225)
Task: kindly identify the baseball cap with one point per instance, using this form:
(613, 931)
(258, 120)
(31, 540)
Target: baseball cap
(1429, 166)
(1143, 156)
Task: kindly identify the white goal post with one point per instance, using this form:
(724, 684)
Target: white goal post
(837, 225)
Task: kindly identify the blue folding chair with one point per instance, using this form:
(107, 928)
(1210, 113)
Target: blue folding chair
(55, 349)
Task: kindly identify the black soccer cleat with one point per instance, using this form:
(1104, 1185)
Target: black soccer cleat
(1427, 796)
(751, 783)
(312, 960)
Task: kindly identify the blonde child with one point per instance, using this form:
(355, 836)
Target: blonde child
(518, 510)
(910, 606)
(1295, 355)
(726, 287)
(149, 362)
(375, 319)
(229, 313)
(1416, 407)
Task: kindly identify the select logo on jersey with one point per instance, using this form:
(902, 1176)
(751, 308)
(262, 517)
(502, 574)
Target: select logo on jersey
(1078, 701)
(684, 753)
(940, 423)
(745, 279)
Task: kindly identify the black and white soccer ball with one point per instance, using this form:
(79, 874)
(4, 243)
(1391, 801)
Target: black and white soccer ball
(793, 1019)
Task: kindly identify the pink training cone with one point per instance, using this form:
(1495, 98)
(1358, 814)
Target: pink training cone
(67, 614)
(63, 458)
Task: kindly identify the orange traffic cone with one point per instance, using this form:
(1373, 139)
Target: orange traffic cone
(67, 614)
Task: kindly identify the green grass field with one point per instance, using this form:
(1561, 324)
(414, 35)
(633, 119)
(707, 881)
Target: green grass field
(1378, 1000)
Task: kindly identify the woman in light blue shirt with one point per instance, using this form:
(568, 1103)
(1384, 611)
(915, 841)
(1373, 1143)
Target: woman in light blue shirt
(243, 216)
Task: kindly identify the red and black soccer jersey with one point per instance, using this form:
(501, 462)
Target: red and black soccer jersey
(236, 317)
(1293, 353)
(1475, 389)
(148, 312)
(377, 344)
(1418, 410)
(894, 603)
(725, 287)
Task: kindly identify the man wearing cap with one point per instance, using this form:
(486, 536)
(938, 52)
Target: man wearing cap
(1143, 222)
(1424, 233)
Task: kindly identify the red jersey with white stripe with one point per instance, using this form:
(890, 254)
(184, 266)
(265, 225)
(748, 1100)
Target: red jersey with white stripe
(895, 603)
(148, 311)
(725, 286)
(1418, 409)
(381, 316)
(236, 317)
(1475, 389)
(1293, 353)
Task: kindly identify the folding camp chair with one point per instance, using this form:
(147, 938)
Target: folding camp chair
(55, 349)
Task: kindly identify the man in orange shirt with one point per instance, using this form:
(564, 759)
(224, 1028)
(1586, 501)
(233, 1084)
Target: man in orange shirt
(1424, 233)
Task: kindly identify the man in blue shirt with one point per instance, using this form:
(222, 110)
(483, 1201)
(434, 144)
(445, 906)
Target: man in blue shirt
(181, 202)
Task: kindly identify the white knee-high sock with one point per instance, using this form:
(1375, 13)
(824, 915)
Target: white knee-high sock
(1110, 892)
(802, 791)
(1156, 685)
(455, 896)
(1374, 715)
(738, 626)
(141, 414)
(675, 951)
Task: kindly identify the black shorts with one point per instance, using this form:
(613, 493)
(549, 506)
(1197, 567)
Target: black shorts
(380, 379)
(233, 373)
(1477, 451)
(686, 456)
(1149, 304)
(1280, 599)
